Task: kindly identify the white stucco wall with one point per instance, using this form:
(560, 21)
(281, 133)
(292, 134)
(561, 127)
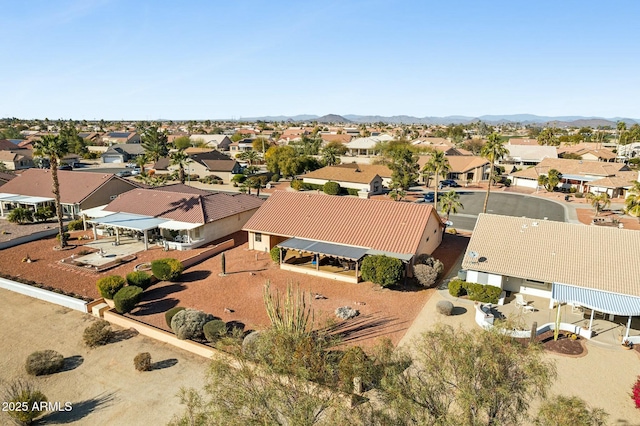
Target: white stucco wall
(359, 186)
(525, 183)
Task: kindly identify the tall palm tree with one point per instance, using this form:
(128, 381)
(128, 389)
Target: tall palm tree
(330, 156)
(621, 126)
(438, 165)
(632, 202)
(54, 148)
(154, 143)
(249, 156)
(599, 201)
(450, 203)
(141, 160)
(180, 158)
(493, 151)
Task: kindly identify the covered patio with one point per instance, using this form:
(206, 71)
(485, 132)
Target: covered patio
(138, 226)
(10, 202)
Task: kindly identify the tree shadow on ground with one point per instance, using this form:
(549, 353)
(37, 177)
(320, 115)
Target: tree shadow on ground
(72, 362)
(246, 270)
(165, 363)
(235, 325)
(364, 327)
(155, 293)
(80, 410)
(155, 307)
(121, 335)
(192, 276)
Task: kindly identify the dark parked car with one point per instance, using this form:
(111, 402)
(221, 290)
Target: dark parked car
(429, 197)
(65, 167)
(449, 182)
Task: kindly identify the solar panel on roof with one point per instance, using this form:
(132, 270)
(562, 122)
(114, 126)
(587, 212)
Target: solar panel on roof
(119, 135)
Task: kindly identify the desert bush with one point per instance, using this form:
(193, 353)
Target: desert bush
(167, 269)
(579, 195)
(23, 401)
(127, 298)
(45, 213)
(139, 279)
(354, 363)
(426, 259)
(189, 323)
(444, 307)
(75, 225)
(142, 361)
(65, 234)
(296, 184)
(331, 188)
(250, 343)
(238, 178)
(457, 288)
(383, 270)
(214, 330)
(168, 316)
(483, 293)
(44, 362)
(108, 286)
(275, 177)
(97, 334)
(20, 216)
(275, 254)
(426, 275)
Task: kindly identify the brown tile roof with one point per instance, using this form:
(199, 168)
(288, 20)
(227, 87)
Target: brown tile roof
(572, 167)
(180, 187)
(350, 172)
(183, 206)
(6, 145)
(621, 180)
(219, 165)
(75, 186)
(465, 163)
(523, 141)
(597, 257)
(342, 138)
(375, 224)
(6, 177)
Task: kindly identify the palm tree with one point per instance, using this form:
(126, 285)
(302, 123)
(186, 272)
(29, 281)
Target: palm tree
(330, 156)
(493, 151)
(180, 158)
(599, 201)
(54, 148)
(450, 203)
(249, 156)
(141, 160)
(632, 202)
(621, 126)
(155, 143)
(438, 165)
(550, 180)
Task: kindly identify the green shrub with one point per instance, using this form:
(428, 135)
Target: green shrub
(139, 279)
(19, 393)
(168, 316)
(352, 191)
(354, 363)
(457, 288)
(108, 286)
(383, 270)
(97, 334)
(44, 362)
(75, 225)
(20, 216)
(189, 323)
(238, 178)
(127, 298)
(296, 184)
(66, 236)
(214, 330)
(142, 361)
(483, 293)
(167, 269)
(275, 178)
(579, 195)
(331, 188)
(275, 254)
(44, 213)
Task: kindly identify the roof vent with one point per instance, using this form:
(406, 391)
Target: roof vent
(525, 226)
(534, 224)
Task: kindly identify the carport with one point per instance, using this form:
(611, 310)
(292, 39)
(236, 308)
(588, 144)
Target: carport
(132, 222)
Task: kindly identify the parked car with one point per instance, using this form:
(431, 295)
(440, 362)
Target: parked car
(65, 167)
(135, 171)
(124, 173)
(130, 165)
(429, 197)
(449, 182)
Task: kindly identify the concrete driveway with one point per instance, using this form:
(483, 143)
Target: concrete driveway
(504, 204)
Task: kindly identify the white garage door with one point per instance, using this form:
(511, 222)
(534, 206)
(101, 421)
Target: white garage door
(112, 159)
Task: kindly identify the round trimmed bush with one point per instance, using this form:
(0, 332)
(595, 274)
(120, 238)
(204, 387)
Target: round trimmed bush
(108, 286)
(213, 330)
(97, 334)
(189, 323)
(127, 298)
(331, 188)
(275, 177)
(168, 316)
(383, 270)
(444, 307)
(44, 362)
(168, 269)
(142, 361)
(139, 279)
(425, 274)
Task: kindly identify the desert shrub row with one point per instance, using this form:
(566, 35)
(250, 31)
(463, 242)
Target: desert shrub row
(479, 292)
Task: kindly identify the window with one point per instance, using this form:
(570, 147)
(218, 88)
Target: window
(258, 237)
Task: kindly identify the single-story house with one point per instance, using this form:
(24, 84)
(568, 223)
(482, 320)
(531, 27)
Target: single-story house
(213, 163)
(220, 142)
(112, 138)
(591, 266)
(78, 190)
(362, 177)
(575, 173)
(122, 153)
(329, 236)
(464, 168)
(334, 137)
(527, 155)
(614, 186)
(17, 159)
(7, 145)
(178, 216)
(366, 146)
(240, 146)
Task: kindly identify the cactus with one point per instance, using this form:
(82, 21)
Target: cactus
(289, 313)
(224, 264)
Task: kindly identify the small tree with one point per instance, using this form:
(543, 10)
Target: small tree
(569, 411)
(275, 254)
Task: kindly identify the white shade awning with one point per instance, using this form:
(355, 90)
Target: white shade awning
(176, 225)
(96, 212)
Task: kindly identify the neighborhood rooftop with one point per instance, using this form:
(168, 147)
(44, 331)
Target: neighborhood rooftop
(599, 258)
(375, 224)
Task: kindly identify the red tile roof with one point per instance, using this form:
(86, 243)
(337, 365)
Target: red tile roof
(189, 207)
(75, 186)
(375, 224)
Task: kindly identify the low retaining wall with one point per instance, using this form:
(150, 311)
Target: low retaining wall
(46, 295)
(28, 238)
(207, 253)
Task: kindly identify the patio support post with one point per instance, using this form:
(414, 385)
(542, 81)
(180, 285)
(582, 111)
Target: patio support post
(357, 279)
(117, 236)
(626, 335)
(95, 233)
(84, 222)
(1, 210)
(280, 251)
(593, 311)
(146, 240)
(317, 262)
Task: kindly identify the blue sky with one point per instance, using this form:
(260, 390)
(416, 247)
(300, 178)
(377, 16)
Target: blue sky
(142, 59)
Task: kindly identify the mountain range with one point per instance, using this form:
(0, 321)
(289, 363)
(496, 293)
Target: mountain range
(559, 121)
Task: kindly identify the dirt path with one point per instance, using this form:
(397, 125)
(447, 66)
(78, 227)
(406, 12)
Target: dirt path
(104, 388)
